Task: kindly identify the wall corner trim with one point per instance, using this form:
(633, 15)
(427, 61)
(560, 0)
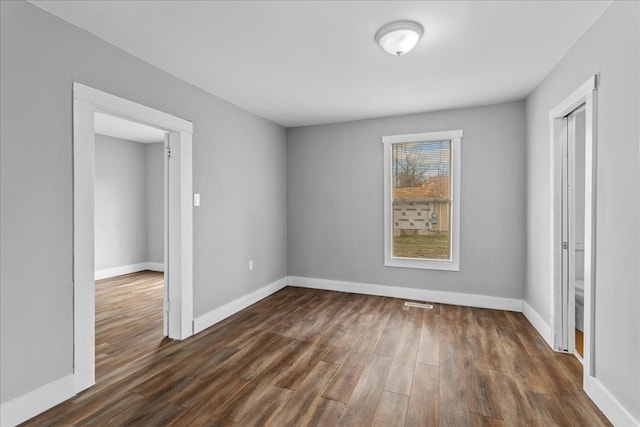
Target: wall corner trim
(37, 401)
(469, 300)
(609, 405)
(537, 322)
(214, 316)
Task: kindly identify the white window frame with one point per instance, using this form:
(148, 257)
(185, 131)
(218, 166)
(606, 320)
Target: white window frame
(453, 263)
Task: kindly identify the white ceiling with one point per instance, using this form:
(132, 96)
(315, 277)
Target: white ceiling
(125, 129)
(309, 62)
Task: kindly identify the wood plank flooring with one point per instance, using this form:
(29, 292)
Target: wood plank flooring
(304, 357)
(129, 321)
(580, 342)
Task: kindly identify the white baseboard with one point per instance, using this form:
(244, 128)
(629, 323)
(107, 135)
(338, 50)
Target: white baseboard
(537, 322)
(201, 323)
(126, 269)
(609, 405)
(154, 266)
(469, 300)
(37, 401)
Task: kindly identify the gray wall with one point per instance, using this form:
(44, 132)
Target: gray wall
(238, 167)
(120, 203)
(129, 202)
(610, 48)
(154, 156)
(335, 209)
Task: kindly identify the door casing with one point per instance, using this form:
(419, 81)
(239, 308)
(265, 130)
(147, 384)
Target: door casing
(585, 94)
(178, 220)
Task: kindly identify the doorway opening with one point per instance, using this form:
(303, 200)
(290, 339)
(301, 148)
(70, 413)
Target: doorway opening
(573, 202)
(573, 215)
(177, 223)
(129, 235)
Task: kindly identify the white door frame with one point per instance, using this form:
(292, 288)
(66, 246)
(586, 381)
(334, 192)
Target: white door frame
(178, 224)
(585, 94)
(566, 340)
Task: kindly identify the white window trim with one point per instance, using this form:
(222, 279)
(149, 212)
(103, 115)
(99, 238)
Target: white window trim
(452, 264)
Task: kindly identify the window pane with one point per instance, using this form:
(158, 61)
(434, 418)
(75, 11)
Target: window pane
(421, 176)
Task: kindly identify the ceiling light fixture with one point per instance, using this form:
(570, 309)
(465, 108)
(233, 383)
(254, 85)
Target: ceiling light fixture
(398, 38)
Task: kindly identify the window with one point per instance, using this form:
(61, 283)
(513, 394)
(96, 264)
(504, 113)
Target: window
(422, 200)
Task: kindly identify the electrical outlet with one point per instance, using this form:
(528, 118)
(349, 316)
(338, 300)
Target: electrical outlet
(196, 199)
(250, 265)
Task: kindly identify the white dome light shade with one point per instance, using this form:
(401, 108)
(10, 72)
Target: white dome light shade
(398, 38)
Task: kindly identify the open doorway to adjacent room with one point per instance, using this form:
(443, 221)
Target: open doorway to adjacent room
(573, 148)
(112, 231)
(130, 209)
(573, 215)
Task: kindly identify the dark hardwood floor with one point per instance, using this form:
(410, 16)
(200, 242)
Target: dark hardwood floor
(308, 357)
(128, 319)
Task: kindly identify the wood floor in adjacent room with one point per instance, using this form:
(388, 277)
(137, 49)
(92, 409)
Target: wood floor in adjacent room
(308, 357)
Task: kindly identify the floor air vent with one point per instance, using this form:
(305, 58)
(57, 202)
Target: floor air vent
(419, 305)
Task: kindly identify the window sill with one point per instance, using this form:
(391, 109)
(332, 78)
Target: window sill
(423, 264)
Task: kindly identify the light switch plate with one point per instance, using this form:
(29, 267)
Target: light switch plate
(196, 199)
